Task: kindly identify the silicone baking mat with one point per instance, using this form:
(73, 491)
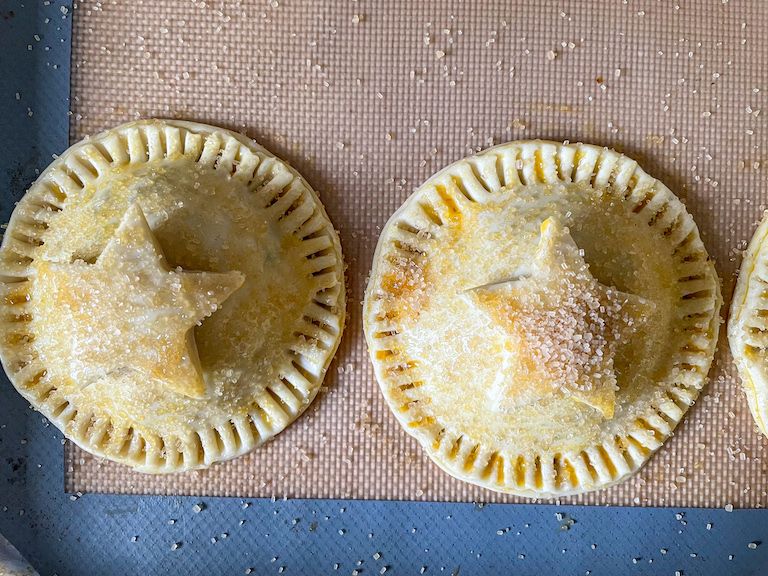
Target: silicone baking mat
(367, 99)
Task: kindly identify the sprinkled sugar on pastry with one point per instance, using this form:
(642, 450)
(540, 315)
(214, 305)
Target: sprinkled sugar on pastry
(540, 317)
(171, 294)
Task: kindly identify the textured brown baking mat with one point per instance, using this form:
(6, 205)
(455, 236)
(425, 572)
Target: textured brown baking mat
(367, 99)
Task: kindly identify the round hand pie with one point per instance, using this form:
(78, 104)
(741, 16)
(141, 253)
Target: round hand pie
(541, 316)
(171, 295)
(748, 325)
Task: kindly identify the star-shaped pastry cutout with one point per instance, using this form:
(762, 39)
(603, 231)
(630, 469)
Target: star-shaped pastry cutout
(130, 312)
(564, 328)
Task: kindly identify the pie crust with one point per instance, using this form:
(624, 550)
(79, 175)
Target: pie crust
(541, 316)
(171, 295)
(748, 325)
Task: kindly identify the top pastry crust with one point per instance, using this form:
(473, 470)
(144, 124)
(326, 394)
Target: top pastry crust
(561, 326)
(172, 295)
(748, 325)
(541, 316)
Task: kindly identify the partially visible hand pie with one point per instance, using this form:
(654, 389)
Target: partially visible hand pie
(748, 325)
(541, 316)
(171, 295)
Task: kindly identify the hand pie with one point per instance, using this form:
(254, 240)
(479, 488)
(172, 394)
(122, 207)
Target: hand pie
(748, 325)
(541, 316)
(171, 295)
